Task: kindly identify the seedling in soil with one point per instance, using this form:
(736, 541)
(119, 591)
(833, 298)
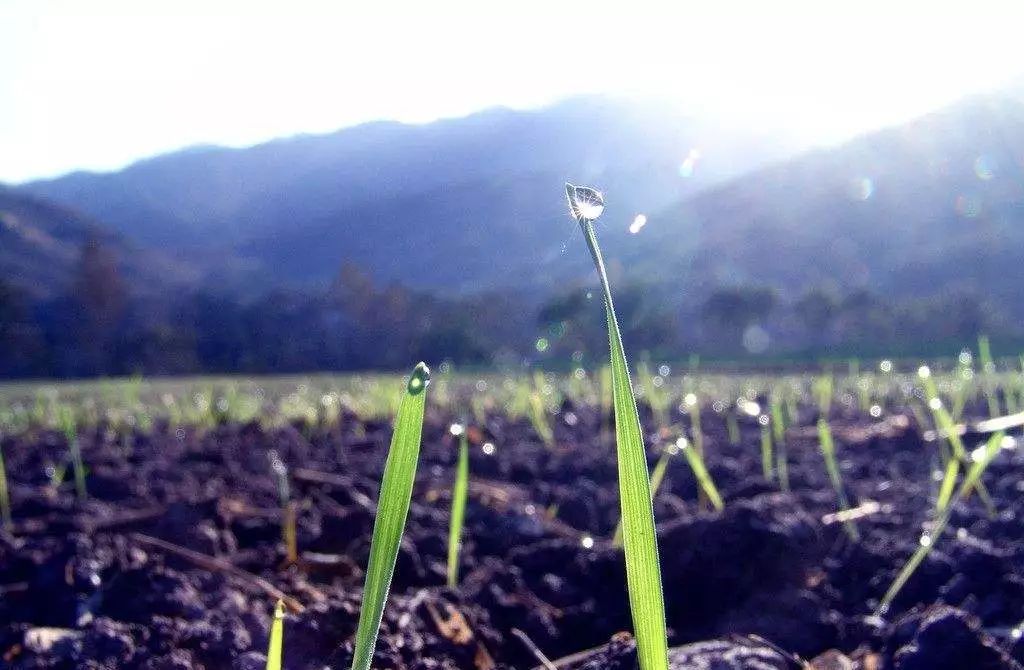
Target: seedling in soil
(459, 491)
(692, 404)
(778, 425)
(988, 368)
(700, 471)
(643, 571)
(947, 428)
(973, 479)
(657, 398)
(732, 427)
(5, 496)
(70, 430)
(539, 419)
(766, 447)
(276, 645)
(288, 531)
(392, 509)
(828, 450)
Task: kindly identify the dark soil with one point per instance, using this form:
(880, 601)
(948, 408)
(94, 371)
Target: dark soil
(175, 559)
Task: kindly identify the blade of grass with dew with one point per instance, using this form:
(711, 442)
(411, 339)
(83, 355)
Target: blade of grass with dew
(392, 509)
(640, 542)
(459, 491)
(828, 450)
(929, 538)
(276, 645)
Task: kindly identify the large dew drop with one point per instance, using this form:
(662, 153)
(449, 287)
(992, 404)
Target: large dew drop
(585, 203)
(420, 379)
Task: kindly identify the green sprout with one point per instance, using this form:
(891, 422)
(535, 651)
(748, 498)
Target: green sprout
(700, 471)
(778, 425)
(392, 509)
(947, 428)
(70, 430)
(5, 497)
(459, 491)
(973, 479)
(766, 447)
(288, 531)
(732, 427)
(988, 369)
(828, 450)
(539, 418)
(640, 542)
(276, 645)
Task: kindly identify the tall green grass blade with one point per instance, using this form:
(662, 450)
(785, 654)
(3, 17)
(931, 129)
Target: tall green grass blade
(657, 477)
(392, 509)
(276, 645)
(459, 491)
(643, 570)
(828, 450)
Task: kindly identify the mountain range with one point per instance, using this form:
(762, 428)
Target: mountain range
(474, 204)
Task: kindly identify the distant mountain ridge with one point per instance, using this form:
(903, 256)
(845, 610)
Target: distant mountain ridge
(40, 245)
(475, 204)
(464, 204)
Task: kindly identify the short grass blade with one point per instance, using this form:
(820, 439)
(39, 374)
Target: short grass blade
(276, 645)
(459, 491)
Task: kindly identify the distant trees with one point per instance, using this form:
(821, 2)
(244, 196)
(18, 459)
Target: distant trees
(99, 298)
(732, 309)
(99, 328)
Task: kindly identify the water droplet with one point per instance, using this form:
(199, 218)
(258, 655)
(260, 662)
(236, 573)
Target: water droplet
(542, 344)
(924, 372)
(488, 448)
(456, 429)
(587, 542)
(885, 366)
(585, 203)
(875, 411)
(420, 379)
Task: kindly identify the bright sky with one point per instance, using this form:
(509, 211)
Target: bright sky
(97, 84)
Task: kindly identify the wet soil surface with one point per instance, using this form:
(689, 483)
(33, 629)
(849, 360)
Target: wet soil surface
(175, 560)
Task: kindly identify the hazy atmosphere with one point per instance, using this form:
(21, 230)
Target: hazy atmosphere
(511, 336)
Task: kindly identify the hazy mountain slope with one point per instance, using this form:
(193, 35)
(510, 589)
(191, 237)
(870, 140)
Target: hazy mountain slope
(934, 203)
(466, 203)
(40, 245)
